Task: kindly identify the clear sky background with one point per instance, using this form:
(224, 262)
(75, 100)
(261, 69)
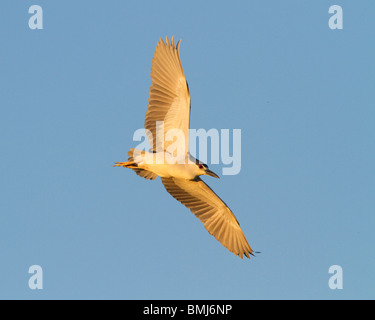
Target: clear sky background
(72, 95)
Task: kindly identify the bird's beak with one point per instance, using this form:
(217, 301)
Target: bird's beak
(211, 173)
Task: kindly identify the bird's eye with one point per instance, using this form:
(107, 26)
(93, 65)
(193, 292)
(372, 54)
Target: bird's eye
(200, 166)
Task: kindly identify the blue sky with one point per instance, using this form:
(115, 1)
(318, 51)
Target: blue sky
(72, 95)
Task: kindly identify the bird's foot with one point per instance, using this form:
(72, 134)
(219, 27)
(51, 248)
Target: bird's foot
(120, 164)
(128, 164)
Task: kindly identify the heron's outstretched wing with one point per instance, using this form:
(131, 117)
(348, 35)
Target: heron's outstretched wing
(218, 219)
(169, 97)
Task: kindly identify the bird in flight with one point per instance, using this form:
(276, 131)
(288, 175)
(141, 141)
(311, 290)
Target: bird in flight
(169, 111)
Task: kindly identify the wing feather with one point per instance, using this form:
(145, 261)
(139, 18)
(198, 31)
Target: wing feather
(169, 99)
(216, 216)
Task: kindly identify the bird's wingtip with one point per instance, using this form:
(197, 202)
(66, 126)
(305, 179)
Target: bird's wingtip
(171, 42)
(247, 254)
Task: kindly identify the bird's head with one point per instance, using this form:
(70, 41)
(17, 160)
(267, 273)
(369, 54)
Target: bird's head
(203, 169)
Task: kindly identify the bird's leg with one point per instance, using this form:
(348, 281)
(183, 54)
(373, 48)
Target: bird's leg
(119, 164)
(129, 164)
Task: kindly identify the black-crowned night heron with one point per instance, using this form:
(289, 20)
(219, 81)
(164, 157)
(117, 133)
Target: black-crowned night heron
(169, 111)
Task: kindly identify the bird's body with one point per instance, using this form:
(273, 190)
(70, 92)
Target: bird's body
(164, 165)
(169, 111)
